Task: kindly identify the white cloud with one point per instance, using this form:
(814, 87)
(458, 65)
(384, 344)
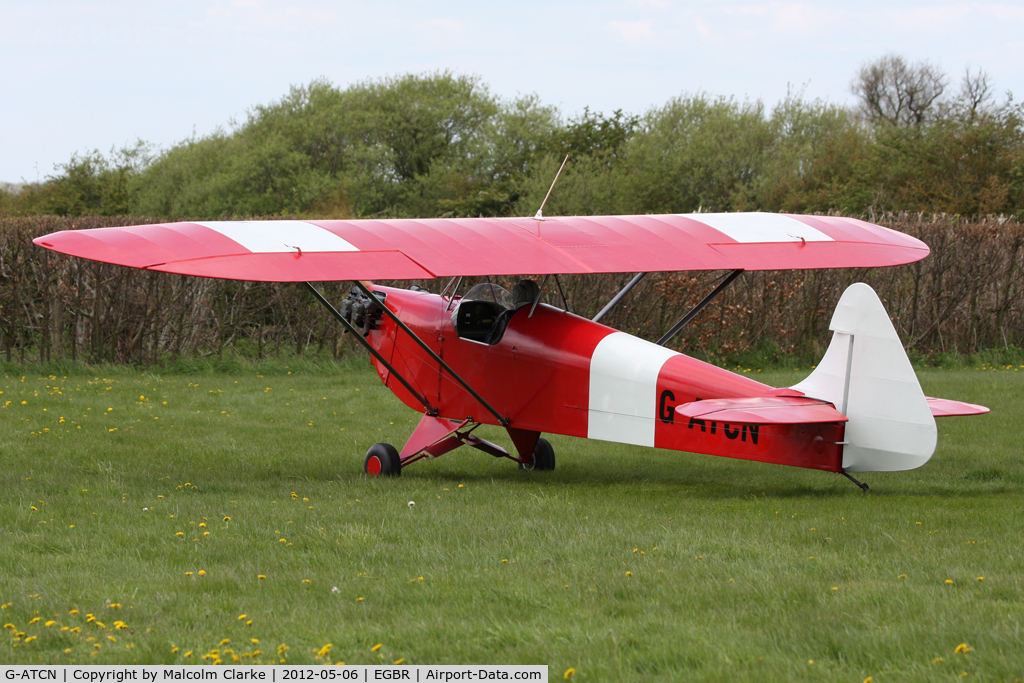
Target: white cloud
(931, 20)
(448, 27)
(633, 32)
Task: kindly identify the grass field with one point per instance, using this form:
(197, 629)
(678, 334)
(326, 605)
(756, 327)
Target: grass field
(188, 518)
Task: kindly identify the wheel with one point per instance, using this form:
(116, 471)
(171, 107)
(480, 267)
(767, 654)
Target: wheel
(543, 457)
(382, 460)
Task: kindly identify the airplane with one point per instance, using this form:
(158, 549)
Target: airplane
(494, 357)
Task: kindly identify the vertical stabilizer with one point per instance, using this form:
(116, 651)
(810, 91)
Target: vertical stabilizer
(867, 376)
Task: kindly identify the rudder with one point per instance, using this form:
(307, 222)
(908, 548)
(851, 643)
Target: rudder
(867, 376)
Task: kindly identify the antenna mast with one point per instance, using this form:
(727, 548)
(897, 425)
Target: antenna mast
(539, 216)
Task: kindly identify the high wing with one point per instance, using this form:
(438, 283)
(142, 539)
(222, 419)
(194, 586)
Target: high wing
(297, 251)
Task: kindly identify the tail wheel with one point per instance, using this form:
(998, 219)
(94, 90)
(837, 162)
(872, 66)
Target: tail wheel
(543, 457)
(382, 460)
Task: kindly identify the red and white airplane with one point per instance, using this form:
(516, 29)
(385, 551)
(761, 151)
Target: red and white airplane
(488, 356)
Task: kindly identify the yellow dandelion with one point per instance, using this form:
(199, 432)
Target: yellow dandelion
(188, 573)
(981, 578)
(869, 679)
(202, 572)
(629, 573)
(33, 621)
(324, 651)
(963, 648)
(227, 519)
(242, 616)
(949, 580)
(938, 660)
(261, 576)
(903, 576)
(399, 660)
(254, 641)
(375, 647)
(570, 673)
(50, 623)
(359, 599)
(225, 642)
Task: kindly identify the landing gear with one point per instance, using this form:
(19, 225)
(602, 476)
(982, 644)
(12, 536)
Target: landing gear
(863, 487)
(382, 460)
(543, 457)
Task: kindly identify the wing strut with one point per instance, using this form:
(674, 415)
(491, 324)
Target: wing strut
(454, 293)
(405, 328)
(618, 297)
(700, 307)
(540, 290)
(565, 301)
(431, 410)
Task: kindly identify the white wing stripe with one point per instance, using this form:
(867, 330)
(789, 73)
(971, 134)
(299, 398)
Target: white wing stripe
(750, 228)
(274, 237)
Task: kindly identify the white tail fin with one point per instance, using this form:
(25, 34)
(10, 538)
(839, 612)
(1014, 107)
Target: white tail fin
(867, 376)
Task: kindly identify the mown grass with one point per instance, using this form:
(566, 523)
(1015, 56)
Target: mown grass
(625, 563)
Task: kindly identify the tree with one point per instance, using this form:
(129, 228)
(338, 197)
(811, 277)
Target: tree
(696, 153)
(896, 93)
(590, 134)
(932, 151)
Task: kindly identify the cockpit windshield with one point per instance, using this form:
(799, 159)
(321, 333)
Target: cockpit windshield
(479, 315)
(488, 292)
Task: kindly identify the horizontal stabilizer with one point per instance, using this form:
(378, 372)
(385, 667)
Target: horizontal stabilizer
(762, 410)
(944, 407)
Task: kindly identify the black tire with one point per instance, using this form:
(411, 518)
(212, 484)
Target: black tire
(382, 460)
(543, 457)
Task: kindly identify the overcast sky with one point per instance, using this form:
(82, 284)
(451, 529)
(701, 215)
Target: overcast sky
(81, 76)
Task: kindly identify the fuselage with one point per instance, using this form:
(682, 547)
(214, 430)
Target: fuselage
(556, 372)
